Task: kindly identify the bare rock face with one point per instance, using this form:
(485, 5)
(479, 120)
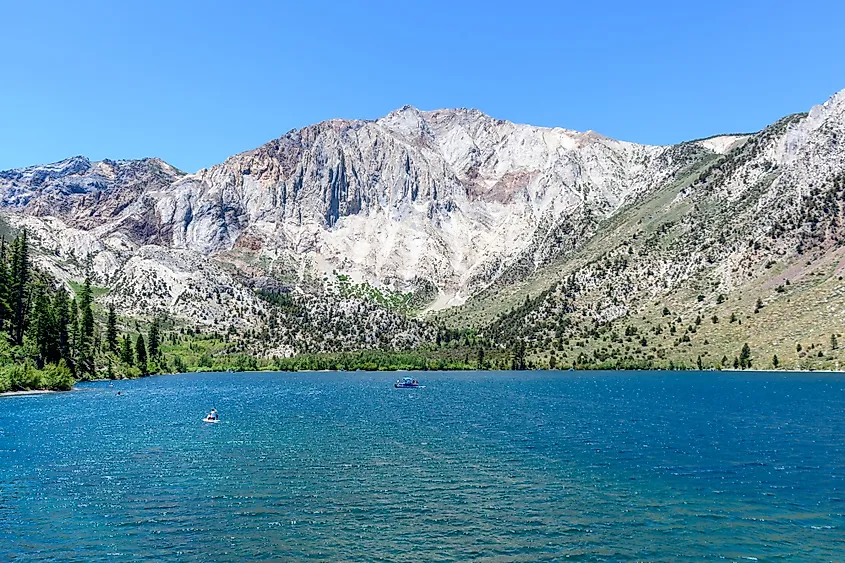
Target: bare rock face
(450, 199)
(437, 195)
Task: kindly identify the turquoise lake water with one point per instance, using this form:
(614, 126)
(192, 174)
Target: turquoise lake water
(590, 466)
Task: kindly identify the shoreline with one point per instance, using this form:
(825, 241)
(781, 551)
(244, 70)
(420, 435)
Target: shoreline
(35, 392)
(729, 370)
(28, 392)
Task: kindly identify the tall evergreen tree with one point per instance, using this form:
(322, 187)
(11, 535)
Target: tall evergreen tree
(19, 283)
(126, 354)
(141, 354)
(5, 308)
(61, 310)
(111, 331)
(74, 336)
(153, 345)
(43, 328)
(518, 356)
(86, 329)
(745, 356)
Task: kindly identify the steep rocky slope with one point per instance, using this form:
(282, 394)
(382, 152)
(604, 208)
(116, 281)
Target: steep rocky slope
(756, 234)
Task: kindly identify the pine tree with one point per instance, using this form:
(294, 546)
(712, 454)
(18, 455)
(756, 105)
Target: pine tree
(834, 344)
(5, 309)
(86, 330)
(480, 362)
(111, 331)
(745, 356)
(141, 354)
(518, 360)
(61, 311)
(74, 336)
(43, 328)
(19, 283)
(153, 345)
(775, 361)
(126, 354)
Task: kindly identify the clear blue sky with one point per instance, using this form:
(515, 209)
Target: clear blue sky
(194, 82)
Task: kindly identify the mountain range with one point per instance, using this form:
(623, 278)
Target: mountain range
(581, 246)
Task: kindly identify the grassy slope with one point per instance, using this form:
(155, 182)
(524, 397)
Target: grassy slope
(809, 310)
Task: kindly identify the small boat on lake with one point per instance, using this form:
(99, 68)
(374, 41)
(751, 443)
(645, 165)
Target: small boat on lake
(407, 382)
(211, 417)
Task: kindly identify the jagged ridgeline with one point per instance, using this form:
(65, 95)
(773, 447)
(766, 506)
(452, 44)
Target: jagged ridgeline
(449, 238)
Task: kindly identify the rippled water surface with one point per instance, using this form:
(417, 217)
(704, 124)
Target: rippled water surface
(475, 466)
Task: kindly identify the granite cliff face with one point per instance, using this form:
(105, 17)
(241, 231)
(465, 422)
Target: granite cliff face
(447, 203)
